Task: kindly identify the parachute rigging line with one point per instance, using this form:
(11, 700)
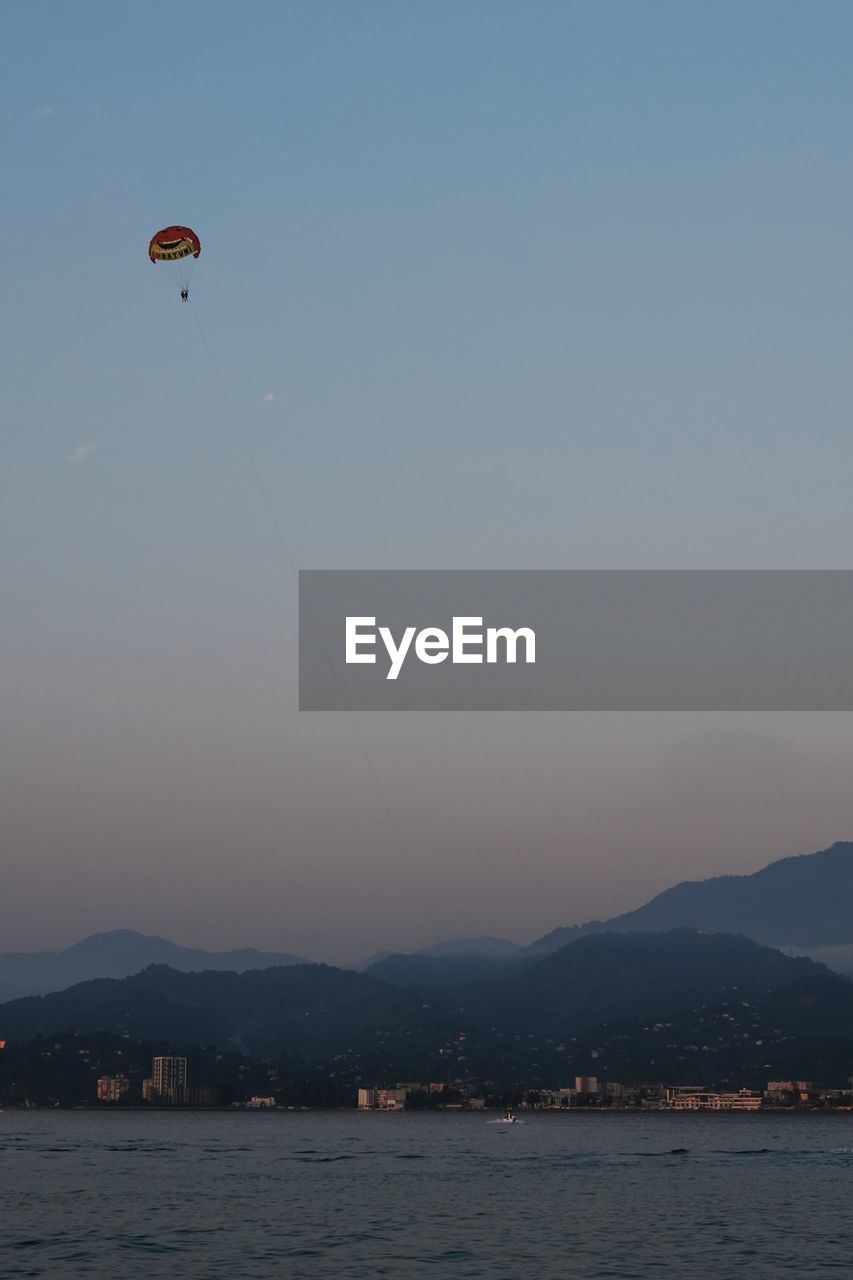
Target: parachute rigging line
(393, 825)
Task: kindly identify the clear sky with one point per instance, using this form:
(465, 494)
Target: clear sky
(489, 285)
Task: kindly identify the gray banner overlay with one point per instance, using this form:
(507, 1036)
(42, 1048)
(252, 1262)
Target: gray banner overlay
(602, 640)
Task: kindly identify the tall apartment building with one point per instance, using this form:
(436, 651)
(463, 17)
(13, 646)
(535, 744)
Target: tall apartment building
(169, 1079)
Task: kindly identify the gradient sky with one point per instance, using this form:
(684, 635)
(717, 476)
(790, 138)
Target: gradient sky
(490, 285)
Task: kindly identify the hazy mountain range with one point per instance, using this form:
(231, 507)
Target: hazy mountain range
(801, 904)
(803, 1030)
(116, 955)
(323, 1013)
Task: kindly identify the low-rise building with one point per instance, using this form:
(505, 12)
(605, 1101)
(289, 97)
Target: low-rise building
(391, 1099)
(381, 1099)
(694, 1099)
(202, 1095)
(112, 1088)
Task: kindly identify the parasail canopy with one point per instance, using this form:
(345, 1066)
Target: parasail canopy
(173, 243)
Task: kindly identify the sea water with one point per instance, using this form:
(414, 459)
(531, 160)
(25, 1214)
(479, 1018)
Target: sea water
(128, 1194)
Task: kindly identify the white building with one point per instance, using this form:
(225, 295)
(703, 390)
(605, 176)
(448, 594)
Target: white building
(692, 1099)
(169, 1078)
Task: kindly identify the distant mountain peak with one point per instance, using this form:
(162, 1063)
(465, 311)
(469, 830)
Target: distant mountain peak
(118, 953)
(801, 901)
(473, 946)
(113, 938)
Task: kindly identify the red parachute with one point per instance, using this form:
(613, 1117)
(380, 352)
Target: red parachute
(178, 247)
(173, 243)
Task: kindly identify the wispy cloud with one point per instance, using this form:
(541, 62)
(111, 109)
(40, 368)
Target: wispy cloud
(45, 109)
(269, 397)
(81, 454)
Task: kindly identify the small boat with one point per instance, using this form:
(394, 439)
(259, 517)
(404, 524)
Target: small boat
(508, 1117)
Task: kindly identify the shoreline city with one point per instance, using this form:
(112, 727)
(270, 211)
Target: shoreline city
(169, 1087)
